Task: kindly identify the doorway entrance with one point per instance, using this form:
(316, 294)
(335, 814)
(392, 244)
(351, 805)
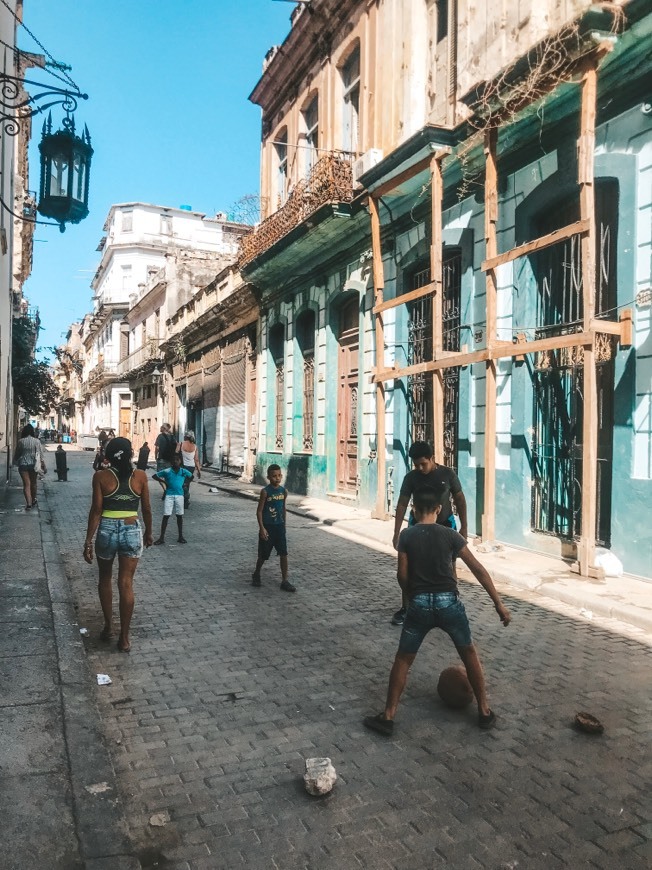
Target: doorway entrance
(558, 380)
(347, 398)
(420, 394)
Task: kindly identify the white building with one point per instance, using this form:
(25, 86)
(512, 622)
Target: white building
(153, 259)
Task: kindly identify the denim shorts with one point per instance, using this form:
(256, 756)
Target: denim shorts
(117, 538)
(429, 610)
(276, 541)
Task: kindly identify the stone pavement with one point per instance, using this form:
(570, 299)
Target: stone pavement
(52, 750)
(626, 598)
(228, 689)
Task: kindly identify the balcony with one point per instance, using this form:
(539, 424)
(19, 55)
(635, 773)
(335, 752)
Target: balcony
(103, 372)
(136, 360)
(330, 181)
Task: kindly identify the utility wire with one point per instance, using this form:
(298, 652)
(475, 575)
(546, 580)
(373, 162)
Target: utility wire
(66, 77)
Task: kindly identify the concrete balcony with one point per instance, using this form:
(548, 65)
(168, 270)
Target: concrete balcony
(103, 372)
(149, 352)
(330, 181)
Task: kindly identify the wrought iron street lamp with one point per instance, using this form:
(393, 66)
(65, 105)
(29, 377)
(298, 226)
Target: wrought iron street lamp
(65, 157)
(65, 169)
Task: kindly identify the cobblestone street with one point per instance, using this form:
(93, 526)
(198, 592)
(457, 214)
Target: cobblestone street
(229, 688)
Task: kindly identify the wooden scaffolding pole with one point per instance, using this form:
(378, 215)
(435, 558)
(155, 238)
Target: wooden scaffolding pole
(380, 510)
(490, 219)
(436, 278)
(585, 177)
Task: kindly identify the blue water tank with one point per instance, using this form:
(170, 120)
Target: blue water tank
(185, 207)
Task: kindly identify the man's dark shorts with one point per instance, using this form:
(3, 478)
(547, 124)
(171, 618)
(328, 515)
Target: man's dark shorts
(275, 541)
(429, 610)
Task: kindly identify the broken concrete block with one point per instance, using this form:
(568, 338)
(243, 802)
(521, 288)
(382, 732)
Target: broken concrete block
(320, 776)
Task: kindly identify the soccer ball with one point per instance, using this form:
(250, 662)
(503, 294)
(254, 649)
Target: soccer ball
(454, 688)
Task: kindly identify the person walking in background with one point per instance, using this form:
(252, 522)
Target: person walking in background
(164, 447)
(190, 461)
(426, 556)
(271, 527)
(143, 457)
(29, 456)
(118, 491)
(172, 481)
(61, 463)
(427, 472)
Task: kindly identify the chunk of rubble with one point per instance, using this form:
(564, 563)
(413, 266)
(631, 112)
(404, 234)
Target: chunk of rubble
(320, 776)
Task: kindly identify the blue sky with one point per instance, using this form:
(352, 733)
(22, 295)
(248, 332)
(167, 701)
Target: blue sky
(168, 114)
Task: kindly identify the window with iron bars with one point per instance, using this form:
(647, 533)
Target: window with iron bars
(277, 352)
(306, 341)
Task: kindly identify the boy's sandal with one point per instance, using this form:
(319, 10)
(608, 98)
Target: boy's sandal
(379, 724)
(486, 722)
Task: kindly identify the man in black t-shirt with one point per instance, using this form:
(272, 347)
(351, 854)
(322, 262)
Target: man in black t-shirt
(165, 447)
(426, 556)
(426, 472)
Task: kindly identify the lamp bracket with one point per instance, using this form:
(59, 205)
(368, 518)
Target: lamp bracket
(15, 103)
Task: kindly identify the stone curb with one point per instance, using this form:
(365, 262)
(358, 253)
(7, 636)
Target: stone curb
(100, 821)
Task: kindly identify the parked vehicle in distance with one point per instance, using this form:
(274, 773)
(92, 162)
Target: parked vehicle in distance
(87, 442)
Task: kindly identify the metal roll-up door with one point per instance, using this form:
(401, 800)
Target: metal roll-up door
(212, 388)
(194, 388)
(234, 402)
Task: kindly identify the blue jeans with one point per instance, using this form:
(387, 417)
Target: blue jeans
(117, 538)
(429, 610)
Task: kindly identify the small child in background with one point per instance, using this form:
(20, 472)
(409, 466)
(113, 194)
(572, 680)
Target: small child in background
(143, 457)
(271, 525)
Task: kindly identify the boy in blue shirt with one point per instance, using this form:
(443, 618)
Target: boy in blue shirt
(271, 525)
(172, 479)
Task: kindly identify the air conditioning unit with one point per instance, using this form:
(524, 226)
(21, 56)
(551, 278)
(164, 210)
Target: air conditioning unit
(363, 164)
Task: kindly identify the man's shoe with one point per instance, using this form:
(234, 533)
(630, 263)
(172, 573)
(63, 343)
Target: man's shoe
(286, 586)
(255, 579)
(487, 722)
(181, 541)
(399, 616)
(379, 724)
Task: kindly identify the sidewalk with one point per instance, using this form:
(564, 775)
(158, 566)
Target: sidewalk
(58, 799)
(625, 598)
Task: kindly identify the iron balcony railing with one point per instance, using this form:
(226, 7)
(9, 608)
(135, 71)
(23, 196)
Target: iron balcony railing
(330, 181)
(103, 370)
(142, 355)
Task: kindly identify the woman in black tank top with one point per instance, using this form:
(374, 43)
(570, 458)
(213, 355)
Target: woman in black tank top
(117, 493)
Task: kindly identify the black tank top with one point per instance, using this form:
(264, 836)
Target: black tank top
(123, 501)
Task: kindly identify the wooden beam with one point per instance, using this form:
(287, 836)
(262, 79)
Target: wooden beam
(491, 251)
(609, 327)
(379, 285)
(500, 350)
(585, 173)
(377, 253)
(397, 181)
(436, 276)
(578, 228)
(626, 327)
(405, 297)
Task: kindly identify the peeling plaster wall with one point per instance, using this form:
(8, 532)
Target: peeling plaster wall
(407, 76)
